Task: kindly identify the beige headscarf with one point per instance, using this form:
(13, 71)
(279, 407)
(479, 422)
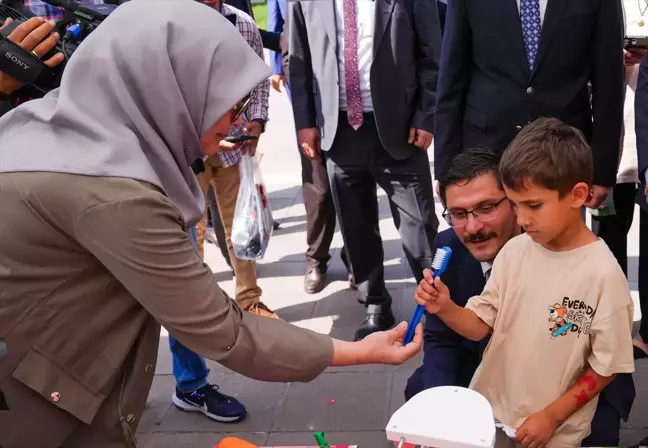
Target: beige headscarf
(135, 98)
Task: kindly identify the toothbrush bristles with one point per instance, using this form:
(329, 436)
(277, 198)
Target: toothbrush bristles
(437, 262)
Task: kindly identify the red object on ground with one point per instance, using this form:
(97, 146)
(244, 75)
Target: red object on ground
(233, 442)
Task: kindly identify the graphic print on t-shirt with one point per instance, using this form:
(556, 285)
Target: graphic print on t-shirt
(570, 316)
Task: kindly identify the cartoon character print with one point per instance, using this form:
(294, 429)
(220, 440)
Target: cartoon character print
(558, 315)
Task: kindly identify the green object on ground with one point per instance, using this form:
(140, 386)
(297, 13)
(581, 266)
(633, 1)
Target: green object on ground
(321, 441)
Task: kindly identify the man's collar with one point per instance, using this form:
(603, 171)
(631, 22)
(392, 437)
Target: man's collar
(486, 266)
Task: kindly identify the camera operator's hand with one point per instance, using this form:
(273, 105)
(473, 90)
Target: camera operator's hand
(34, 36)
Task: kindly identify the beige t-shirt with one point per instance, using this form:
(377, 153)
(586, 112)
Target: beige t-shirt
(552, 315)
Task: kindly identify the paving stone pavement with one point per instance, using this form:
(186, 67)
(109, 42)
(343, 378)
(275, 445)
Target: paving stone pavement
(352, 405)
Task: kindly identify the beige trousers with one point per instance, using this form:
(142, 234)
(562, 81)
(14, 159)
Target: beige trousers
(225, 182)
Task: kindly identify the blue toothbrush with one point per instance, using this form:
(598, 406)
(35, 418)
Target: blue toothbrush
(439, 264)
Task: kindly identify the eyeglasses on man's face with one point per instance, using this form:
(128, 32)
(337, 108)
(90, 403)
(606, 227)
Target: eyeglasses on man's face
(483, 213)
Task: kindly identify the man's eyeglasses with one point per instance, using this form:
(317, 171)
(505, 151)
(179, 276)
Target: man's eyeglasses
(240, 108)
(483, 213)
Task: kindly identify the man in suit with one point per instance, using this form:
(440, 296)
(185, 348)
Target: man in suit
(507, 62)
(363, 77)
(471, 187)
(318, 201)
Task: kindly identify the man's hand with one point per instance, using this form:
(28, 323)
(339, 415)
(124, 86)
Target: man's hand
(633, 56)
(256, 129)
(276, 81)
(598, 197)
(34, 36)
(537, 430)
(420, 138)
(309, 142)
(433, 294)
(283, 42)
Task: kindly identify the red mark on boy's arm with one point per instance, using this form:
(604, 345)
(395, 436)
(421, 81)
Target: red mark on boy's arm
(589, 381)
(577, 396)
(582, 398)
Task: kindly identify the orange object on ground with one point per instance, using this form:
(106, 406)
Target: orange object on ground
(233, 442)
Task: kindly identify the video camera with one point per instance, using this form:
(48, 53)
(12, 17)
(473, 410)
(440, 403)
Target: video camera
(77, 23)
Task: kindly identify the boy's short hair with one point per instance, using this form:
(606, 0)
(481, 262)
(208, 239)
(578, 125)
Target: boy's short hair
(550, 154)
(468, 165)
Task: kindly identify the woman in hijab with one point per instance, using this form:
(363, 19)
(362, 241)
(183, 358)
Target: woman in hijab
(97, 195)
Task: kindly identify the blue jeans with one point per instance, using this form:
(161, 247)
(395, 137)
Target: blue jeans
(189, 369)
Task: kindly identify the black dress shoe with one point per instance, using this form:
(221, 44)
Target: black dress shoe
(315, 280)
(379, 318)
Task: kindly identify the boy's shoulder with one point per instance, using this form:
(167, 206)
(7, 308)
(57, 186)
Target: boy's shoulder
(516, 244)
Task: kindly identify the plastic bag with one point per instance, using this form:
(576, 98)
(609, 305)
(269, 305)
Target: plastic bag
(252, 226)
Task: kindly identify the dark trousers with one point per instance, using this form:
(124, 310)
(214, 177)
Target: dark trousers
(217, 225)
(614, 231)
(320, 210)
(356, 163)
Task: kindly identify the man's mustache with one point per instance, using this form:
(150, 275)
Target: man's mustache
(479, 237)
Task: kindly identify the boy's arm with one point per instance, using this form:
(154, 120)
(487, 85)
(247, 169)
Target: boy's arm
(465, 322)
(540, 427)
(588, 387)
(473, 322)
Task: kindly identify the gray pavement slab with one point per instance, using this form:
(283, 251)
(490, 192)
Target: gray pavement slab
(352, 405)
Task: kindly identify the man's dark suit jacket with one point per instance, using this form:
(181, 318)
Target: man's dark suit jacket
(487, 93)
(451, 360)
(406, 52)
(641, 123)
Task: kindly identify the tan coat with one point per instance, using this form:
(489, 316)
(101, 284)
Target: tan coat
(89, 268)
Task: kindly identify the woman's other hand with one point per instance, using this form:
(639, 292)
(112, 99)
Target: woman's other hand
(383, 347)
(34, 36)
(387, 346)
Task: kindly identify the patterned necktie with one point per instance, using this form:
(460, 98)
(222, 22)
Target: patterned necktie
(351, 75)
(530, 19)
(487, 274)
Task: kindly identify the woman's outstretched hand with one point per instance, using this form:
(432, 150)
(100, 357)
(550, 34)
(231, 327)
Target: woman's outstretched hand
(383, 347)
(387, 346)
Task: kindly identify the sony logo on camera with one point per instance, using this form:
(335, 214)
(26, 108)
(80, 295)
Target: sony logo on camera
(16, 60)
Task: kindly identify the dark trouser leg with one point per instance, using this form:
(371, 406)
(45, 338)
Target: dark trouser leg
(408, 184)
(643, 273)
(354, 194)
(320, 211)
(606, 425)
(217, 225)
(614, 229)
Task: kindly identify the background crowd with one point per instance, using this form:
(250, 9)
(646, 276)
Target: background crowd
(373, 86)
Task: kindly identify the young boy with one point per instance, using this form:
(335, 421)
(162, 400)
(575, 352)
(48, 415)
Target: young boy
(557, 303)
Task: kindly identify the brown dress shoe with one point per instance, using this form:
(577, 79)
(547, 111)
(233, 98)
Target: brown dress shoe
(261, 309)
(315, 280)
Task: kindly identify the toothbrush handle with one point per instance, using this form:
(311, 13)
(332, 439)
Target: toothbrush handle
(413, 323)
(418, 314)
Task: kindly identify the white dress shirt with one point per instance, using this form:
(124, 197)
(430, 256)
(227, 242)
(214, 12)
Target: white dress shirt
(486, 268)
(543, 8)
(365, 20)
(633, 17)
